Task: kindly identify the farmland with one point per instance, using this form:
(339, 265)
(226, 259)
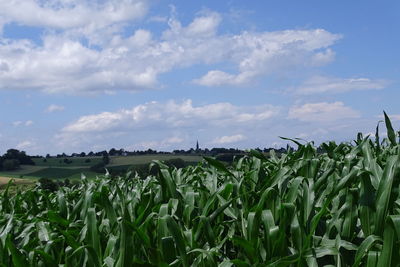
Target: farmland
(57, 168)
(302, 208)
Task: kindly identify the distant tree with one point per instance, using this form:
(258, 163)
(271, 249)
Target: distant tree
(106, 158)
(112, 152)
(10, 164)
(82, 154)
(91, 154)
(150, 151)
(20, 156)
(48, 156)
(48, 184)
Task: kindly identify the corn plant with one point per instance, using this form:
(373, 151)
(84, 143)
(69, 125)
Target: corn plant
(307, 207)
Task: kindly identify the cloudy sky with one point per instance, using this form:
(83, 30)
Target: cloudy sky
(89, 75)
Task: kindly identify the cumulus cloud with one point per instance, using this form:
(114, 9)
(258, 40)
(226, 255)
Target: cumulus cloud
(322, 112)
(67, 14)
(172, 114)
(264, 53)
(228, 139)
(163, 144)
(26, 123)
(323, 84)
(54, 108)
(26, 145)
(146, 125)
(112, 61)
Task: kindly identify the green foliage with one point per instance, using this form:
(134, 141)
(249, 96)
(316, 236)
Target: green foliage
(10, 164)
(72, 161)
(98, 167)
(304, 208)
(48, 184)
(58, 173)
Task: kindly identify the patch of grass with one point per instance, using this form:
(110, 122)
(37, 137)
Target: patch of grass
(74, 161)
(88, 175)
(59, 173)
(17, 185)
(23, 170)
(145, 159)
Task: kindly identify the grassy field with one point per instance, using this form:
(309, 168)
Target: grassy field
(144, 159)
(4, 181)
(62, 173)
(75, 162)
(56, 168)
(16, 185)
(25, 170)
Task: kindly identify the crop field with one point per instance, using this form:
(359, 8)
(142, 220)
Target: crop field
(340, 207)
(56, 168)
(144, 159)
(75, 162)
(5, 180)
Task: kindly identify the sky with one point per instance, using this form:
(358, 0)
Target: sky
(92, 75)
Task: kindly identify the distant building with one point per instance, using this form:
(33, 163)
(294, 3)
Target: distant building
(197, 146)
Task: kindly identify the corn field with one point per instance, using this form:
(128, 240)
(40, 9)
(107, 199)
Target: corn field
(339, 207)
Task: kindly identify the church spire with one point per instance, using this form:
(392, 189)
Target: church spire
(197, 146)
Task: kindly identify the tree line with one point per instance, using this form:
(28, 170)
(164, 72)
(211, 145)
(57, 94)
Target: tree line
(13, 158)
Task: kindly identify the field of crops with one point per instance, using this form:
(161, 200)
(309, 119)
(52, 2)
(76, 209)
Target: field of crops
(337, 208)
(57, 168)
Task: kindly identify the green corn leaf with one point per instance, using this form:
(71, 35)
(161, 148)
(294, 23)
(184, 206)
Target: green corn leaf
(18, 259)
(390, 132)
(365, 247)
(218, 165)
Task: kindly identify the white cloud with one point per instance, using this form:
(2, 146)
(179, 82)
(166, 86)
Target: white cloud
(146, 125)
(323, 84)
(322, 112)
(218, 78)
(97, 123)
(163, 144)
(228, 139)
(26, 123)
(204, 25)
(71, 14)
(322, 58)
(172, 114)
(63, 63)
(258, 54)
(53, 108)
(25, 145)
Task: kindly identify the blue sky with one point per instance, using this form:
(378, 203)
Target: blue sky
(136, 74)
